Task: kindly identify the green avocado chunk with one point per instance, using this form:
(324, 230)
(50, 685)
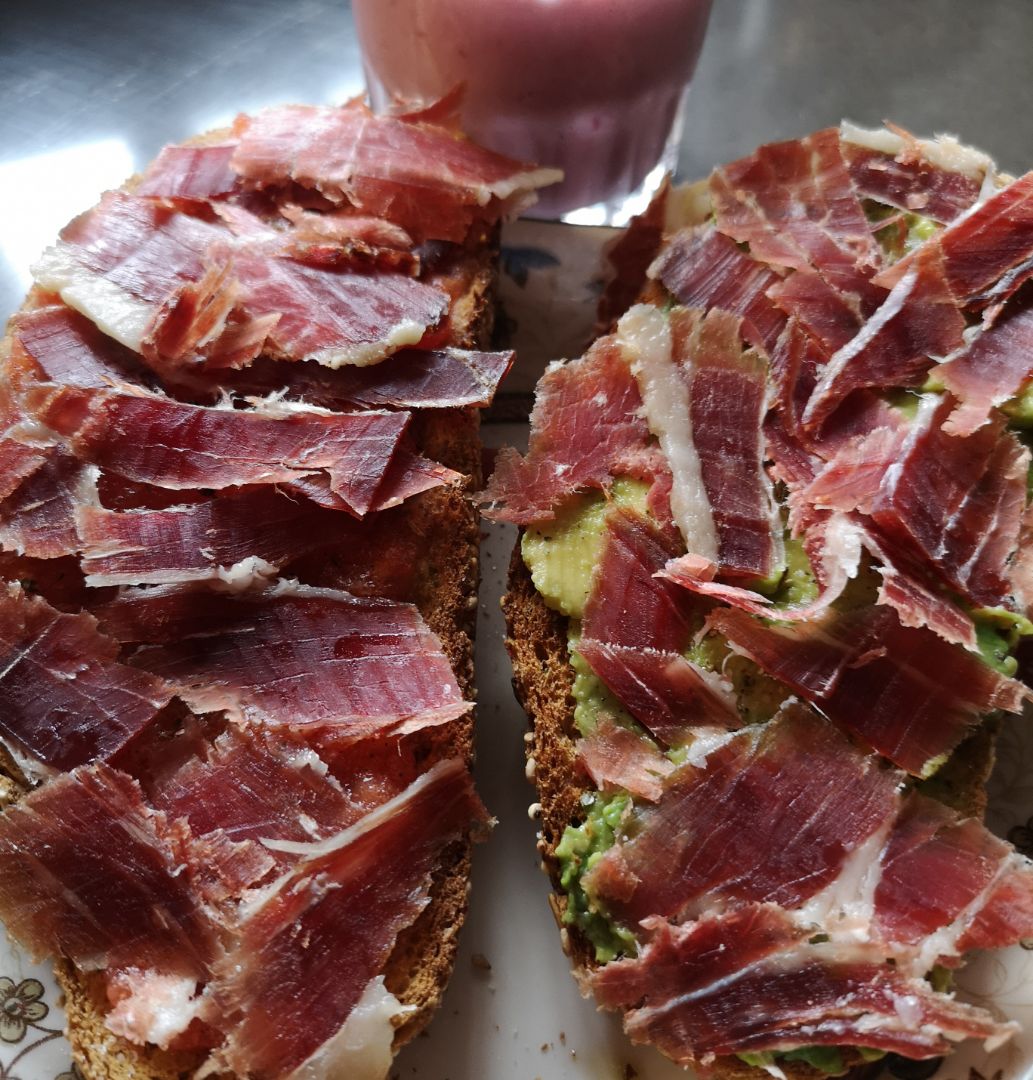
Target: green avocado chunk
(580, 848)
(562, 555)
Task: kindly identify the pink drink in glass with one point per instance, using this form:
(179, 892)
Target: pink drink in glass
(594, 87)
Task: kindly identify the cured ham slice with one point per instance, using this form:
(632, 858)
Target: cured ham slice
(239, 535)
(62, 346)
(349, 897)
(908, 693)
(87, 873)
(195, 173)
(728, 399)
(408, 379)
(646, 336)
(154, 440)
(917, 604)
(985, 253)
(942, 885)
(826, 313)
(310, 659)
(694, 993)
(616, 757)
(834, 545)
(794, 204)
(418, 379)
(771, 815)
(956, 503)
(995, 366)
(249, 787)
(65, 698)
(918, 323)
(344, 227)
(432, 183)
(141, 272)
(176, 288)
(666, 693)
(939, 179)
(628, 604)
(585, 421)
(948, 504)
(702, 268)
(704, 399)
(334, 317)
(38, 518)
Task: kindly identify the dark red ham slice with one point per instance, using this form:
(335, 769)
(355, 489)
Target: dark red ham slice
(666, 693)
(938, 871)
(431, 182)
(87, 873)
(772, 815)
(908, 693)
(727, 403)
(301, 658)
(833, 542)
(1006, 915)
(152, 439)
(142, 272)
(616, 757)
(195, 173)
(956, 504)
(585, 421)
(986, 253)
(909, 180)
(794, 204)
(991, 370)
(702, 268)
(827, 314)
(951, 505)
(917, 323)
(748, 981)
(63, 346)
(38, 518)
(252, 783)
(334, 317)
(65, 699)
(243, 533)
(250, 786)
(628, 604)
(350, 897)
(408, 379)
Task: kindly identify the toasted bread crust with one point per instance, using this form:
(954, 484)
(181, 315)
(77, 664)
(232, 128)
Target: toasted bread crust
(421, 963)
(543, 682)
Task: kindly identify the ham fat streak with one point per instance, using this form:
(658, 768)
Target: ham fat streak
(238, 792)
(828, 398)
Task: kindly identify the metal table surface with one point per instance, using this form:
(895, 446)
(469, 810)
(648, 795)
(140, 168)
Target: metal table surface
(90, 92)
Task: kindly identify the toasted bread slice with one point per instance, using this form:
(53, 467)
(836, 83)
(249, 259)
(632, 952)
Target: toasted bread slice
(445, 591)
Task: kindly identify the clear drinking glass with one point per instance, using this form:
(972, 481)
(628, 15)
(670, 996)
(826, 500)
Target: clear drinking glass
(594, 87)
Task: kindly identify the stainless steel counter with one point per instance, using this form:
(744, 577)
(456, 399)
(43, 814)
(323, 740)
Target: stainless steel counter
(92, 90)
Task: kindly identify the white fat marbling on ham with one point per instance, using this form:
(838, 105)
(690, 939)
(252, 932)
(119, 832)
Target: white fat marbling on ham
(149, 1007)
(120, 315)
(646, 336)
(943, 151)
(361, 1049)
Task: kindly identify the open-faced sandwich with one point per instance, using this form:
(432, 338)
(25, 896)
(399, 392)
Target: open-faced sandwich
(240, 571)
(773, 571)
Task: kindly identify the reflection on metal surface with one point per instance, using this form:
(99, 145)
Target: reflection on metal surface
(48, 190)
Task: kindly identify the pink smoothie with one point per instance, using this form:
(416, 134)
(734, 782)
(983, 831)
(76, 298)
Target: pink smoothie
(590, 86)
